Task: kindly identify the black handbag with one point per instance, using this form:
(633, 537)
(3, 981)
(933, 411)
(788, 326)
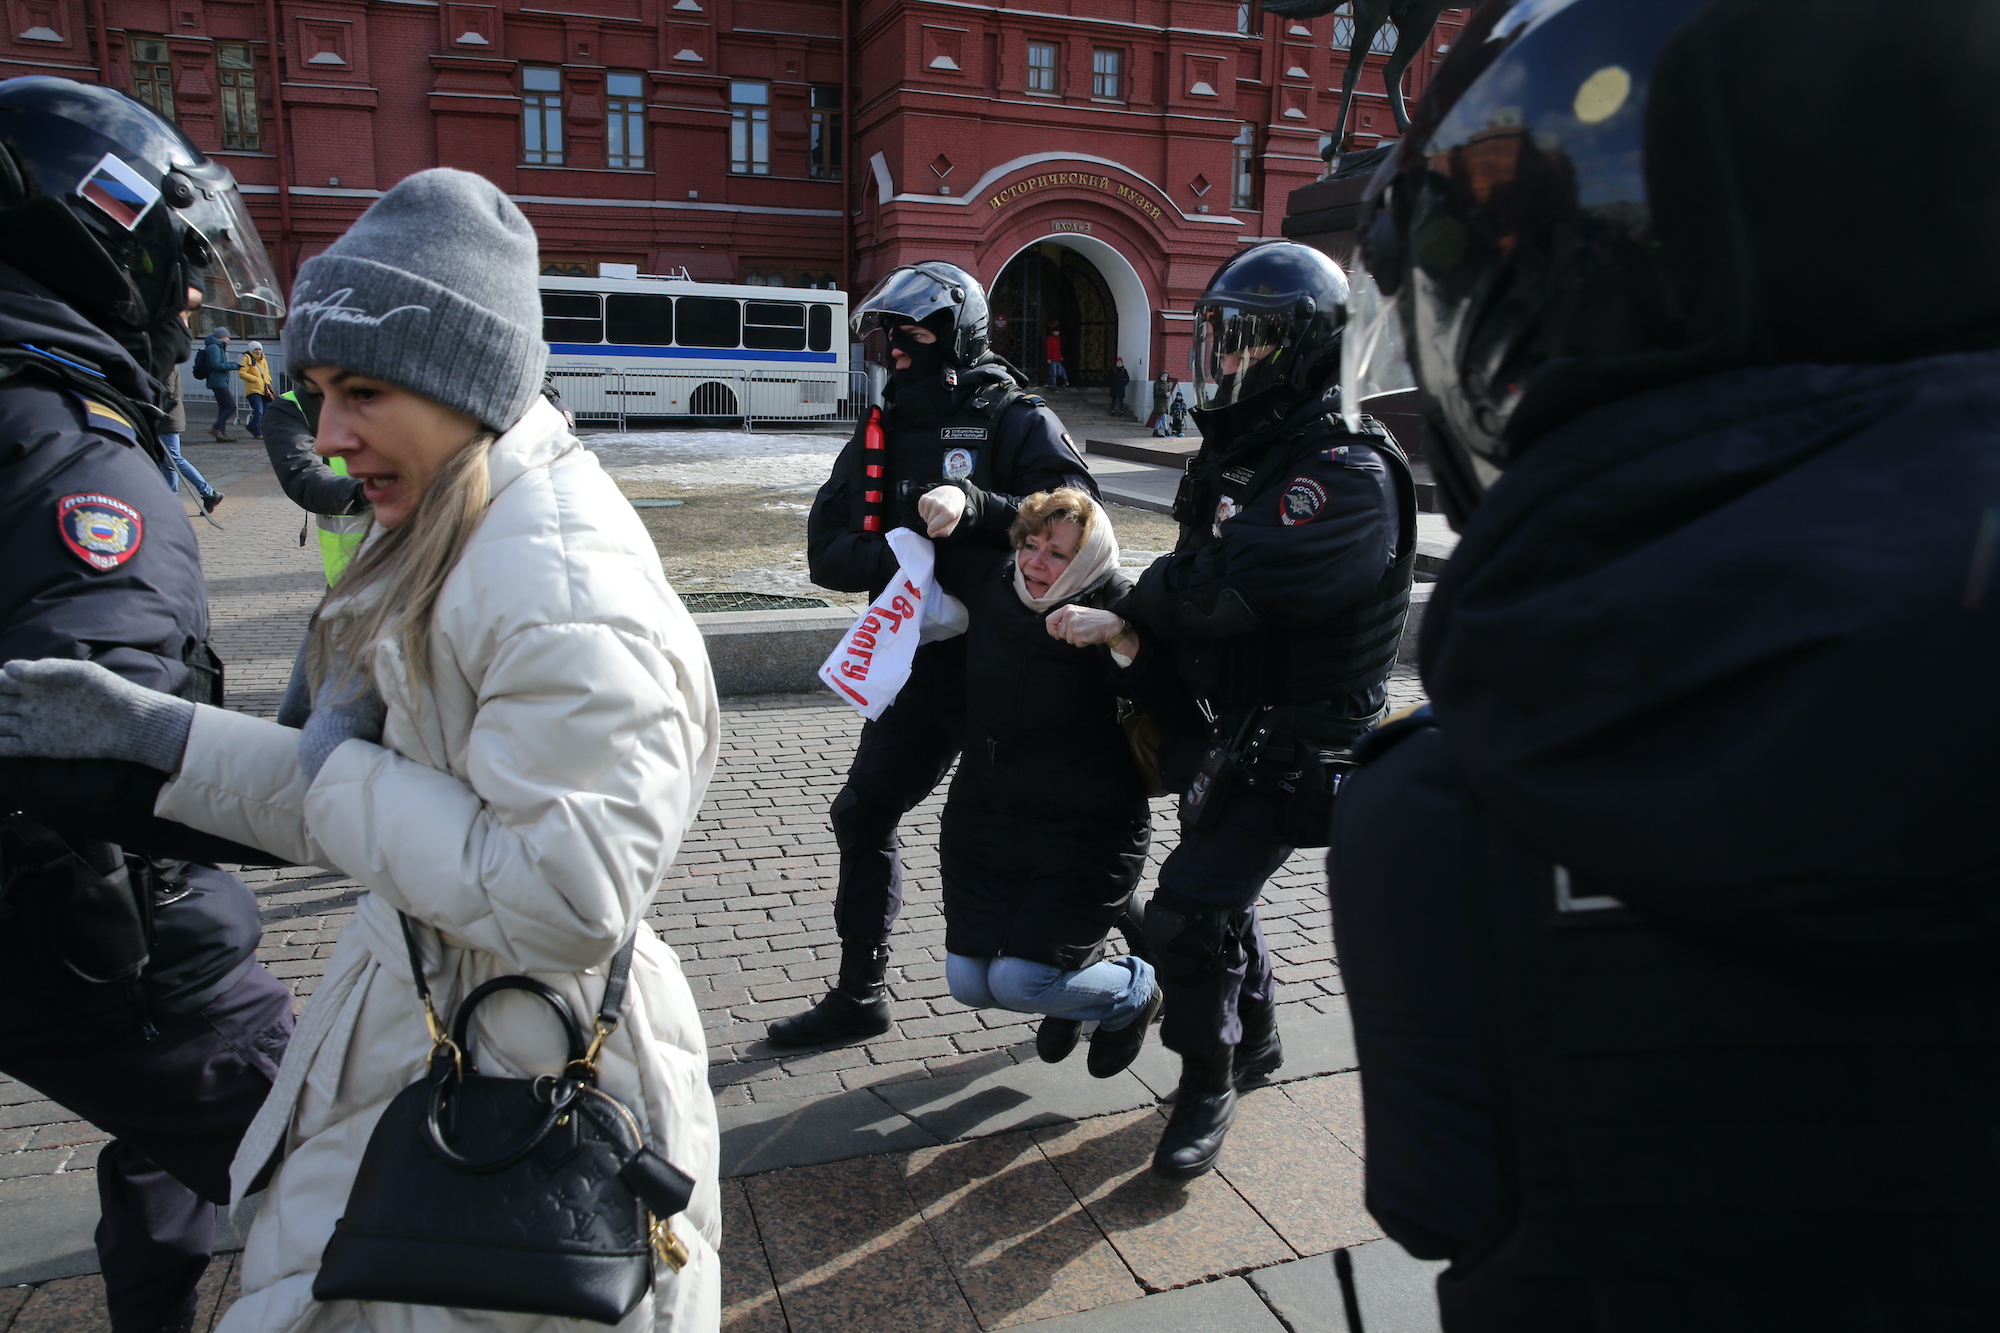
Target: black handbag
(525, 1195)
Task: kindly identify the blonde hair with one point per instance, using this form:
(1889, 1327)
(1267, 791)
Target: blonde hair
(1044, 509)
(393, 585)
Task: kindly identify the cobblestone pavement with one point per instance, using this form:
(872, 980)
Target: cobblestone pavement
(747, 907)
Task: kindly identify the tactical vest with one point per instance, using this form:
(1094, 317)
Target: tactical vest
(339, 534)
(958, 449)
(1303, 665)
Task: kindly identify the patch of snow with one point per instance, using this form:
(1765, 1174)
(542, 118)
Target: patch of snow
(701, 458)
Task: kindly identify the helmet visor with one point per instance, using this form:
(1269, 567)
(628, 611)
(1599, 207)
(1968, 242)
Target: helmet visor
(1237, 352)
(907, 296)
(1373, 363)
(236, 273)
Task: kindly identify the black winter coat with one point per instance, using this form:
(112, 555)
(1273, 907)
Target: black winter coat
(1673, 942)
(1046, 826)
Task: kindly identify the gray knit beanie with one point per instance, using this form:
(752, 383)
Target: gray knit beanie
(433, 288)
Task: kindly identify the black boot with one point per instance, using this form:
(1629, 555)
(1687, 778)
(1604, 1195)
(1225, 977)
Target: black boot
(857, 1006)
(1111, 1053)
(1056, 1038)
(1203, 1109)
(1261, 1051)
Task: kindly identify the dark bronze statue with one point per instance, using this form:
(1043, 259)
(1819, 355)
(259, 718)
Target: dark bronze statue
(1414, 20)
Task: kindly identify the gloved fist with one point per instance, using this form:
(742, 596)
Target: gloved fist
(348, 708)
(941, 509)
(59, 708)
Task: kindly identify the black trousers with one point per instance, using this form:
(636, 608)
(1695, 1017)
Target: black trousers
(177, 1106)
(901, 758)
(1223, 868)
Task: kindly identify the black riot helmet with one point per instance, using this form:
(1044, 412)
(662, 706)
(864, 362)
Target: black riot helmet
(1598, 198)
(112, 208)
(1267, 329)
(942, 297)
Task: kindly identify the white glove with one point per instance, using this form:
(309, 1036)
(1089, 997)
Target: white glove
(941, 509)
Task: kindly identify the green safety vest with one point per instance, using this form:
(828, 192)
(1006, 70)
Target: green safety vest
(339, 534)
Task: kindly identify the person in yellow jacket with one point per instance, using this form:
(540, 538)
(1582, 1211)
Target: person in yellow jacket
(255, 373)
(322, 489)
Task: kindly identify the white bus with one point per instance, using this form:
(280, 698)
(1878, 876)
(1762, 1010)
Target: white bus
(669, 347)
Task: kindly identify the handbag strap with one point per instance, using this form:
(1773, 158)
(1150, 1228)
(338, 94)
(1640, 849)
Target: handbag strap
(610, 1010)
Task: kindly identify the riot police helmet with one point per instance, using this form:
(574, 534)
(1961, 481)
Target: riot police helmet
(112, 207)
(941, 297)
(1597, 199)
(1268, 327)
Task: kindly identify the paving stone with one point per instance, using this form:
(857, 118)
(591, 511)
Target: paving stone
(850, 1251)
(1019, 1244)
(66, 1305)
(1302, 1181)
(1015, 1097)
(1228, 1306)
(764, 1136)
(1396, 1293)
(1335, 1102)
(1169, 1233)
(749, 1294)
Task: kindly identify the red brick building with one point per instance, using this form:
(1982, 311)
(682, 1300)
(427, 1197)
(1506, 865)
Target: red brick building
(1091, 160)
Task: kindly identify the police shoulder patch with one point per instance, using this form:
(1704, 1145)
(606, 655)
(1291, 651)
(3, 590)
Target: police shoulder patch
(102, 530)
(1034, 400)
(1300, 501)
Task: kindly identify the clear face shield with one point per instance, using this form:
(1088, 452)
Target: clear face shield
(907, 296)
(1237, 352)
(236, 273)
(1373, 362)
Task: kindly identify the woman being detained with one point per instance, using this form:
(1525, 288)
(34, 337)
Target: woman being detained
(512, 721)
(1046, 826)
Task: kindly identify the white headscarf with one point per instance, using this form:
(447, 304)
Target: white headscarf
(1095, 558)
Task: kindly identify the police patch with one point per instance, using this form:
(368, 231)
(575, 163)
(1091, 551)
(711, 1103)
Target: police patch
(1301, 501)
(103, 531)
(963, 433)
(958, 463)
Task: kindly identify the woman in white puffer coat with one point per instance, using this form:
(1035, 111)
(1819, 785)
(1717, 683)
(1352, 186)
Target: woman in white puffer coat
(545, 727)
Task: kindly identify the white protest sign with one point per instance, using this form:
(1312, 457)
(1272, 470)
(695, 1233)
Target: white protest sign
(873, 660)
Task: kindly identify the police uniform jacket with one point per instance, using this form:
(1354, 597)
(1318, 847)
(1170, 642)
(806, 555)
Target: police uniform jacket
(972, 427)
(1045, 829)
(1675, 971)
(1291, 576)
(101, 565)
(524, 808)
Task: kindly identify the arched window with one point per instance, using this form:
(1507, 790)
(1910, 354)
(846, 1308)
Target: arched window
(1343, 33)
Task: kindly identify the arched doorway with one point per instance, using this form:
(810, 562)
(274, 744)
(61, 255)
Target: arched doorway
(1052, 285)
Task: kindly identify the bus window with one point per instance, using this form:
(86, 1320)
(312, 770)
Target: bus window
(572, 317)
(643, 321)
(775, 326)
(819, 335)
(709, 321)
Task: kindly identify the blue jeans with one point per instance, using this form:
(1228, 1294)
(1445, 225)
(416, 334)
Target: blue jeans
(175, 467)
(256, 424)
(1109, 993)
(225, 405)
(1057, 375)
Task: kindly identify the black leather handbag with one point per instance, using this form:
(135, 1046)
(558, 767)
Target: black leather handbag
(525, 1195)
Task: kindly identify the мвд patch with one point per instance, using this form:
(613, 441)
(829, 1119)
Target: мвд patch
(102, 530)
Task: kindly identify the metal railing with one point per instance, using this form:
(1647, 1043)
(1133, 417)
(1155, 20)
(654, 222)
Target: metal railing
(755, 397)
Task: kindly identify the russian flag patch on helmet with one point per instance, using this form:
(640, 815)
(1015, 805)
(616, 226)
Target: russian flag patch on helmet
(102, 530)
(119, 192)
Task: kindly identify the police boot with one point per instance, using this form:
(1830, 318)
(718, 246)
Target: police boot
(1203, 1109)
(1261, 1051)
(857, 1006)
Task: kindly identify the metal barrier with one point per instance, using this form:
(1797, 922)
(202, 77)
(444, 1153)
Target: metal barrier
(757, 397)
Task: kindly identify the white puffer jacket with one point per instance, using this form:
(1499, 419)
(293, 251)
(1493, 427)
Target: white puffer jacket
(527, 807)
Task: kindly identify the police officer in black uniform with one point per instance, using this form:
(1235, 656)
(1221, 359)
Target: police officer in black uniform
(952, 416)
(130, 992)
(1669, 926)
(1283, 602)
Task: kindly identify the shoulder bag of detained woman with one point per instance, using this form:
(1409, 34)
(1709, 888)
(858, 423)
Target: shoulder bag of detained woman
(525, 1195)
